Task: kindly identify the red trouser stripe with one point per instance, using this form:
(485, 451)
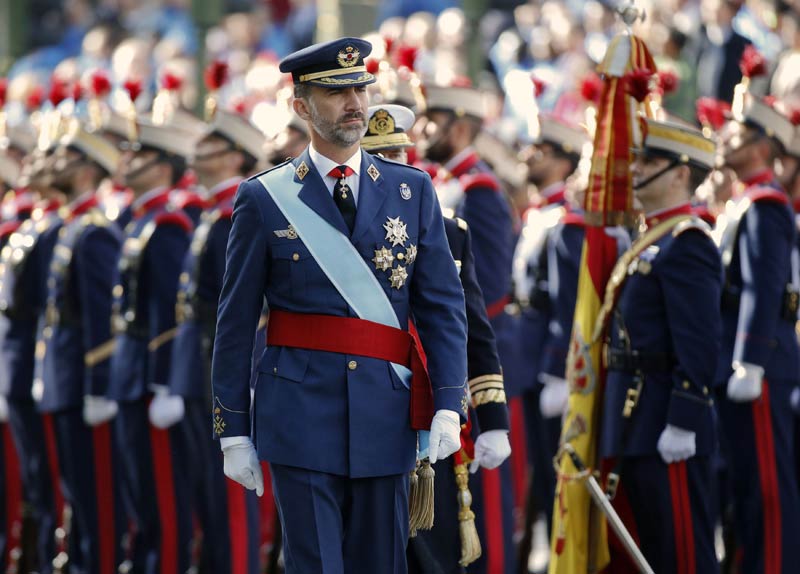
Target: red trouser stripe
(165, 494)
(52, 460)
(267, 511)
(493, 524)
(767, 474)
(519, 457)
(103, 483)
(681, 518)
(13, 494)
(237, 526)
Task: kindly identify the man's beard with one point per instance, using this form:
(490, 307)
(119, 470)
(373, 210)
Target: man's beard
(335, 133)
(440, 151)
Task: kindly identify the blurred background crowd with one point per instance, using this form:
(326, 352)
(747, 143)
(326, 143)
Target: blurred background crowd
(499, 45)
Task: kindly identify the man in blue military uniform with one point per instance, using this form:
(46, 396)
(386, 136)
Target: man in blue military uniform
(662, 324)
(760, 360)
(345, 246)
(447, 548)
(76, 336)
(545, 271)
(455, 116)
(227, 512)
(154, 246)
(24, 261)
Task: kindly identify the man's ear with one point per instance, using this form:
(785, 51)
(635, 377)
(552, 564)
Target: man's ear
(300, 107)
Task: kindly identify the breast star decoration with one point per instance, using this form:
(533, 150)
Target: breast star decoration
(383, 259)
(399, 276)
(395, 231)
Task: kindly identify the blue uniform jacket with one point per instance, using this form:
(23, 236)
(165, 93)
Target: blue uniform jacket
(754, 330)
(330, 412)
(76, 324)
(22, 300)
(144, 298)
(483, 363)
(564, 245)
(669, 306)
(486, 210)
(200, 286)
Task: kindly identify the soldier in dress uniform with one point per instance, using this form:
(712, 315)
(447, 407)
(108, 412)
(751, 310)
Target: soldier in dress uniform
(472, 192)
(155, 243)
(444, 548)
(545, 271)
(290, 142)
(77, 345)
(760, 360)
(228, 513)
(345, 246)
(662, 322)
(24, 260)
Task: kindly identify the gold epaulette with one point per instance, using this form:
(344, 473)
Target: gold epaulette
(692, 223)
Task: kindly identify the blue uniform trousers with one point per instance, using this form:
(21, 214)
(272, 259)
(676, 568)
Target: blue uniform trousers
(227, 513)
(765, 491)
(91, 477)
(493, 504)
(438, 551)
(668, 510)
(339, 525)
(542, 436)
(28, 431)
(158, 497)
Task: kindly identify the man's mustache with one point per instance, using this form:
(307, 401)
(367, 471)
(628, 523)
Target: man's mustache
(353, 116)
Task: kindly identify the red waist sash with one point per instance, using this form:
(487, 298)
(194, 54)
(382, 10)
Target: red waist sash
(352, 336)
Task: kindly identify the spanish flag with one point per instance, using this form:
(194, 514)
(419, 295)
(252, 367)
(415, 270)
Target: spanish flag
(579, 541)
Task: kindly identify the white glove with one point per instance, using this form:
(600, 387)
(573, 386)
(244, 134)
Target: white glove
(676, 444)
(97, 410)
(745, 382)
(165, 409)
(241, 463)
(491, 449)
(554, 395)
(445, 438)
(3, 409)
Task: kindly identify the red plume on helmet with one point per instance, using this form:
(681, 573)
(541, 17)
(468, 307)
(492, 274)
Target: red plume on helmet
(794, 116)
(99, 84)
(171, 82)
(76, 91)
(216, 75)
(592, 88)
(752, 63)
(539, 86)
(668, 81)
(372, 65)
(712, 113)
(58, 91)
(3, 91)
(637, 83)
(35, 98)
(406, 56)
(133, 87)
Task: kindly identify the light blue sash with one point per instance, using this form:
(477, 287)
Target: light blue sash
(334, 253)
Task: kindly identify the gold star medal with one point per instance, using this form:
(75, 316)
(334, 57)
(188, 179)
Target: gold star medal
(383, 259)
(395, 231)
(411, 253)
(399, 276)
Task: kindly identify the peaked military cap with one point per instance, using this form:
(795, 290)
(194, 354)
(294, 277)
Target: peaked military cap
(95, 147)
(238, 130)
(335, 64)
(556, 131)
(758, 113)
(387, 127)
(672, 140)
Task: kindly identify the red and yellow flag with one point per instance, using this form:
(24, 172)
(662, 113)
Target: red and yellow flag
(579, 537)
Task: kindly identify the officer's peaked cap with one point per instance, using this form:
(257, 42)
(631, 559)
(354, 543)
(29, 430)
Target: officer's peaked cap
(335, 64)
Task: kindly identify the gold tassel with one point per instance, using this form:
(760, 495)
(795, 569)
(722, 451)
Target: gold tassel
(421, 507)
(470, 543)
(413, 494)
